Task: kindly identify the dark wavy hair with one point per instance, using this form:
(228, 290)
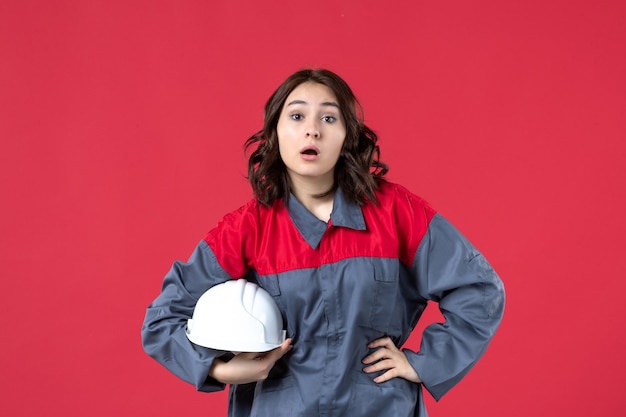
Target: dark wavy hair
(358, 170)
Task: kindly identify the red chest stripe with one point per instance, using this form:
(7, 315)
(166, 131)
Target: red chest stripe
(266, 240)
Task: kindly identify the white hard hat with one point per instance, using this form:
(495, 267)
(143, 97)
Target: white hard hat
(237, 316)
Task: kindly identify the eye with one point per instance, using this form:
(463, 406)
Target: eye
(296, 116)
(329, 119)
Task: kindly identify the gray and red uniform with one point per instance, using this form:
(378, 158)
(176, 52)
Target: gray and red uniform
(367, 273)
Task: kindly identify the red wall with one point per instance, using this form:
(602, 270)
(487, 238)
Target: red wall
(122, 124)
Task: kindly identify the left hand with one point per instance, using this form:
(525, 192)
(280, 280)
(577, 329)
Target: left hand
(389, 357)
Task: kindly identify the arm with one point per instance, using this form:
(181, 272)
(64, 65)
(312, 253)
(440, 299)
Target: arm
(450, 271)
(163, 330)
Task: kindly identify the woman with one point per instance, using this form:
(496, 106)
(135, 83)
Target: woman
(350, 259)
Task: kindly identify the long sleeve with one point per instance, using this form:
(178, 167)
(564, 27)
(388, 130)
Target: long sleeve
(451, 272)
(163, 330)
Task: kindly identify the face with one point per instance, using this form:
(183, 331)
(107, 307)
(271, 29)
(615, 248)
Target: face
(311, 133)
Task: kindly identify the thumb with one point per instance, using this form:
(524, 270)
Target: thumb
(277, 353)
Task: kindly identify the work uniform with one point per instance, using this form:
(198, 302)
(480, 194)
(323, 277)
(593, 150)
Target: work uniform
(367, 273)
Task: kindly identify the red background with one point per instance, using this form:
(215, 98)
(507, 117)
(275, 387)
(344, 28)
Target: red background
(122, 124)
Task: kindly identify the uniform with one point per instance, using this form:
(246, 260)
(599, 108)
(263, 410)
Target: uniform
(367, 273)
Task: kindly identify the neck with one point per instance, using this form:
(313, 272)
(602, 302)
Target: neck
(307, 190)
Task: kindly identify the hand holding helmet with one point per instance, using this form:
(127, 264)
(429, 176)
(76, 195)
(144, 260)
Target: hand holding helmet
(239, 316)
(248, 367)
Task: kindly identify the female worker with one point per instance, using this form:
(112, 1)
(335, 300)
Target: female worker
(351, 261)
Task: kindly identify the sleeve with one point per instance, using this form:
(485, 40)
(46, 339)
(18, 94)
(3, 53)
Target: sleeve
(451, 272)
(163, 331)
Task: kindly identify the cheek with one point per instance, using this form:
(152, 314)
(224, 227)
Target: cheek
(340, 140)
(280, 136)
(284, 132)
(284, 148)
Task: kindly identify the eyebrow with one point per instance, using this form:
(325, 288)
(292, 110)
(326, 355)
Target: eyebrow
(325, 103)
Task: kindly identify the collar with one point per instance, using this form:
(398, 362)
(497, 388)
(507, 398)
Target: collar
(344, 214)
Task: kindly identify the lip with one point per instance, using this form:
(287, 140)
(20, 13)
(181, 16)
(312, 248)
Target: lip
(309, 157)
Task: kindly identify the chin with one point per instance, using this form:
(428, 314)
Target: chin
(311, 173)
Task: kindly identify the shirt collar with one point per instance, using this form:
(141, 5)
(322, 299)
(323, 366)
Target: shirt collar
(344, 214)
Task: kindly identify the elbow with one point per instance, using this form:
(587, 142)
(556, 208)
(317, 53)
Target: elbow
(494, 298)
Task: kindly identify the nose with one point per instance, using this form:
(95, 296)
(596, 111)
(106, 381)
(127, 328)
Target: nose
(312, 132)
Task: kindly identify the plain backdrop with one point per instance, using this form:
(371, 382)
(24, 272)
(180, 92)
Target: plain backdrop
(122, 125)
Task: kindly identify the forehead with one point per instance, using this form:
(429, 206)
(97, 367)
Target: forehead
(311, 93)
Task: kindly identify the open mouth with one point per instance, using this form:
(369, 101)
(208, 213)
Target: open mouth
(310, 150)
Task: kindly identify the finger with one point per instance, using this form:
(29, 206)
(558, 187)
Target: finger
(379, 366)
(387, 351)
(390, 374)
(247, 355)
(382, 342)
(381, 353)
(277, 353)
(285, 347)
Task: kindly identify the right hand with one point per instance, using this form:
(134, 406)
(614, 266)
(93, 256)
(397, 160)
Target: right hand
(248, 367)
